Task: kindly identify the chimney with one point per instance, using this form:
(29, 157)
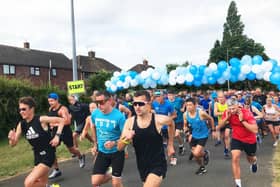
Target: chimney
(26, 45)
(145, 62)
(91, 54)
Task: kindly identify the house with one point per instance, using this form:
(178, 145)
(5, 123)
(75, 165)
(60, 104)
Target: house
(141, 67)
(43, 67)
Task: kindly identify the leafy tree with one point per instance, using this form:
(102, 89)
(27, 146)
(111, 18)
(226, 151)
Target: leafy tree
(234, 43)
(97, 81)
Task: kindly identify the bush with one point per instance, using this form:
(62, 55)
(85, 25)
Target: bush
(11, 90)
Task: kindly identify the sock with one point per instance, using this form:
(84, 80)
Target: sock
(57, 169)
(182, 145)
(238, 182)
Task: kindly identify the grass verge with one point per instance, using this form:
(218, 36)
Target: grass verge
(276, 168)
(18, 159)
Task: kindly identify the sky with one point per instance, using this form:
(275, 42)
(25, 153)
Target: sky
(125, 32)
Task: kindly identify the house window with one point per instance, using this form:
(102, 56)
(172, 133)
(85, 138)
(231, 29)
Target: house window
(53, 72)
(9, 69)
(35, 71)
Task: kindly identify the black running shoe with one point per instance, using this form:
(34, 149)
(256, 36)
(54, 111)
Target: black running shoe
(201, 170)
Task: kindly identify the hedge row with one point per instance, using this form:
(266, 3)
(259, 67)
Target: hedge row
(11, 90)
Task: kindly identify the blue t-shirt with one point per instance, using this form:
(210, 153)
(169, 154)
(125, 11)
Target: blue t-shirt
(108, 128)
(165, 109)
(199, 127)
(257, 105)
(205, 103)
(177, 105)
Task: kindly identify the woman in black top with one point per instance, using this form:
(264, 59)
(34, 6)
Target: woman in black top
(36, 130)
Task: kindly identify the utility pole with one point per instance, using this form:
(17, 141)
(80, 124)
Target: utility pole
(74, 62)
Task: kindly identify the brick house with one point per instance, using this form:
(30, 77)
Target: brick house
(141, 67)
(43, 67)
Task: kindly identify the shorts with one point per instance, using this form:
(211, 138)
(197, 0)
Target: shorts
(179, 126)
(195, 142)
(227, 126)
(45, 157)
(157, 170)
(274, 123)
(66, 135)
(249, 149)
(104, 160)
(78, 128)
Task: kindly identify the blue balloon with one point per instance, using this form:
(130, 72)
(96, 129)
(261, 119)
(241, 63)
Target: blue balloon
(197, 77)
(234, 70)
(217, 74)
(278, 87)
(234, 62)
(274, 63)
(276, 69)
(222, 66)
(132, 74)
(122, 78)
(211, 80)
(193, 69)
(201, 69)
(251, 76)
(233, 78)
(188, 83)
(257, 59)
(275, 78)
(197, 83)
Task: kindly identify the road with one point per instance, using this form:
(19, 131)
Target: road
(218, 175)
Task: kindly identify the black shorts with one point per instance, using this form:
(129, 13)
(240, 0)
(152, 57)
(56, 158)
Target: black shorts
(104, 160)
(157, 170)
(249, 149)
(274, 123)
(45, 157)
(164, 133)
(66, 135)
(79, 128)
(195, 142)
(227, 126)
(179, 126)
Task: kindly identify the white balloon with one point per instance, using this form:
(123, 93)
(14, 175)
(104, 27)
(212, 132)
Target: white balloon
(113, 88)
(180, 79)
(173, 74)
(108, 84)
(125, 85)
(128, 78)
(119, 84)
(156, 75)
(144, 74)
(246, 59)
(145, 86)
(241, 77)
(153, 84)
(221, 80)
(213, 66)
(256, 68)
(116, 74)
(245, 69)
(208, 71)
(133, 82)
(259, 76)
(189, 77)
(172, 81)
(204, 80)
(267, 66)
(266, 76)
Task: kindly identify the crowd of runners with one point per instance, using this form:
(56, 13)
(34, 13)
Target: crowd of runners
(149, 120)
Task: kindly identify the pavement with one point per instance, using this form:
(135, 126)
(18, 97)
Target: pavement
(182, 175)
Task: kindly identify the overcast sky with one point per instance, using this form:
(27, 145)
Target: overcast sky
(125, 32)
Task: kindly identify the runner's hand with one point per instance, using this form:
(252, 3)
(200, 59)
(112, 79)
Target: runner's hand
(55, 141)
(94, 150)
(12, 137)
(129, 134)
(170, 150)
(109, 144)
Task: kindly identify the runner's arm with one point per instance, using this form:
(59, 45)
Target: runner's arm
(14, 135)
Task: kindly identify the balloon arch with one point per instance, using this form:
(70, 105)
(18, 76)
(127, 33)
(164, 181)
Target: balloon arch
(248, 67)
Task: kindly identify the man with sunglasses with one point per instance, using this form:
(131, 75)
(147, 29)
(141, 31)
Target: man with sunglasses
(108, 123)
(144, 131)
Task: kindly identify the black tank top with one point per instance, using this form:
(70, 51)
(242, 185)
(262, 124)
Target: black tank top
(54, 113)
(38, 138)
(148, 145)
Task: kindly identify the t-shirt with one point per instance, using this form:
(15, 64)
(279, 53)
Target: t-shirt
(164, 108)
(239, 132)
(108, 128)
(177, 105)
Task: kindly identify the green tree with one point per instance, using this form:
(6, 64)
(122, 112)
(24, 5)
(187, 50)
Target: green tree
(97, 81)
(234, 43)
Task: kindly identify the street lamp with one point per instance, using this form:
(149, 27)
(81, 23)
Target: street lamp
(74, 65)
(228, 64)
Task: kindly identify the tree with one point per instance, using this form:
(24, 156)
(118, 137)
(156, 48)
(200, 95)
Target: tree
(97, 81)
(234, 43)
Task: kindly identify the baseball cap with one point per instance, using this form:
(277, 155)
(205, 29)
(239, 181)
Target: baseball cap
(158, 93)
(53, 96)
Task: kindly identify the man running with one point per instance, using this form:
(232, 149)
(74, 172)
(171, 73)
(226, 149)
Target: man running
(144, 131)
(58, 110)
(244, 130)
(195, 121)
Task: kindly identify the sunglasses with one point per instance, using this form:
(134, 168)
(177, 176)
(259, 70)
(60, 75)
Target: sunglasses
(22, 109)
(139, 103)
(101, 102)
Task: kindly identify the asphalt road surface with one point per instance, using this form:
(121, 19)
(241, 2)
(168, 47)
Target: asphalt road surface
(182, 175)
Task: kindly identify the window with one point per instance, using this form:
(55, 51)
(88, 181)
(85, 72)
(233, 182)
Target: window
(9, 69)
(35, 71)
(53, 72)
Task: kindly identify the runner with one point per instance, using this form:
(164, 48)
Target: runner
(195, 120)
(36, 130)
(58, 110)
(219, 108)
(244, 130)
(108, 122)
(144, 131)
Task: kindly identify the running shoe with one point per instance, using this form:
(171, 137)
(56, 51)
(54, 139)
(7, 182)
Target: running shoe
(182, 151)
(173, 161)
(254, 167)
(82, 161)
(201, 170)
(275, 143)
(55, 173)
(206, 157)
(218, 142)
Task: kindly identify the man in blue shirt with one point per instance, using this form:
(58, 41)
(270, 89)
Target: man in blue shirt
(108, 123)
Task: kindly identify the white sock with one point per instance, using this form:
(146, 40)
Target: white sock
(182, 145)
(238, 182)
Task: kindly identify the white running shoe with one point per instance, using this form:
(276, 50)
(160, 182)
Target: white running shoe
(55, 173)
(275, 143)
(173, 161)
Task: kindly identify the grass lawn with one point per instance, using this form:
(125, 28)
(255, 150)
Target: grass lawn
(14, 160)
(276, 168)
